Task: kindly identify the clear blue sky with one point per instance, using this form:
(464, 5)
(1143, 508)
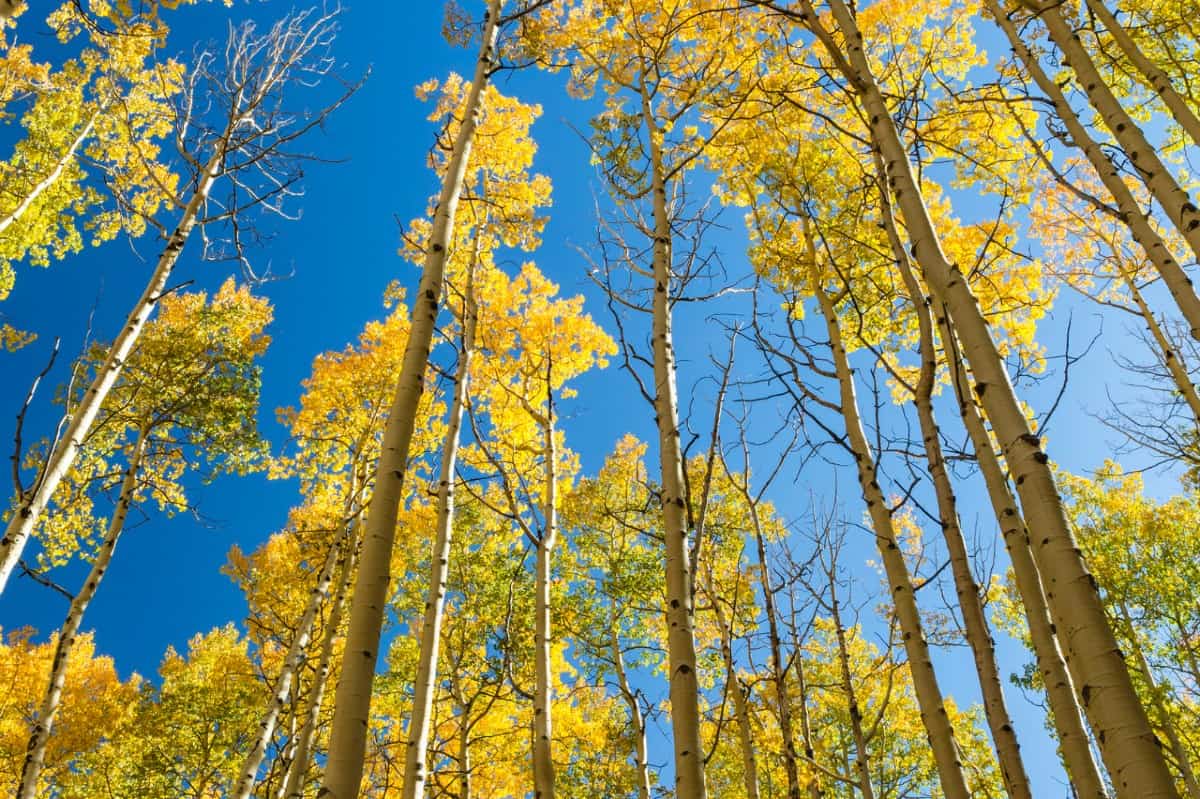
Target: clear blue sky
(165, 584)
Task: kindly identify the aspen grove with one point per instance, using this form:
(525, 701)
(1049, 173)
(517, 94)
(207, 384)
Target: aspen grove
(659, 399)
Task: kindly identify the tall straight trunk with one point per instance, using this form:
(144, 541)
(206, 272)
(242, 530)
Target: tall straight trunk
(1166, 350)
(778, 666)
(975, 624)
(1130, 749)
(1158, 80)
(636, 720)
(352, 701)
(1182, 761)
(415, 775)
(464, 758)
(338, 555)
(35, 753)
(62, 456)
(51, 177)
(543, 690)
(293, 784)
(815, 791)
(1067, 716)
(681, 644)
(741, 710)
(928, 692)
(862, 759)
(1150, 169)
(1128, 208)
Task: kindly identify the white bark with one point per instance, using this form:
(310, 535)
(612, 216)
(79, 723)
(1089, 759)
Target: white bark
(636, 721)
(35, 755)
(62, 456)
(1151, 243)
(1159, 81)
(51, 177)
(862, 759)
(352, 703)
(543, 691)
(1130, 749)
(415, 775)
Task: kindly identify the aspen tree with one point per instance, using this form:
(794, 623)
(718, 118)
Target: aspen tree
(1128, 744)
(933, 711)
(250, 136)
(352, 702)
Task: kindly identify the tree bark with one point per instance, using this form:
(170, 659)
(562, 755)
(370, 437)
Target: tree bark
(681, 645)
(415, 776)
(1067, 716)
(1166, 350)
(1150, 169)
(1128, 208)
(1158, 80)
(636, 720)
(1130, 749)
(35, 754)
(51, 178)
(293, 786)
(928, 692)
(352, 701)
(975, 624)
(62, 456)
(862, 759)
(543, 691)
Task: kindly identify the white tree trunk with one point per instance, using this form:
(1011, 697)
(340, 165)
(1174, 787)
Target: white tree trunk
(543, 691)
(352, 702)
(928, 692)
(1151, 243)
(862, 758)
(35, 755)
(415, 775)
(62, 456)
(636, 720)
(681, 644)
(51, 177)
(1131, 751)
(1158, 80)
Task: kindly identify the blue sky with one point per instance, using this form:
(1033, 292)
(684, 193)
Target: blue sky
(165, 584)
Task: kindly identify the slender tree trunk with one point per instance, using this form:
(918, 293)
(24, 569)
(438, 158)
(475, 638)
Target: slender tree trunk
(681, 644)
(1128, 208)
(464, 760)
(35, 754)
(741, 709)
(1153, 173)
(1158, 80)
(339, 555)
(51, 178)
(975, 624)
(1182, 760)
(928, 692)
(293, 785)
(415, 775)
(641, 750)
(62, 456)
(1166, 351)
(1130, 749)
(352, 701)
(815, 791)
(1060, 687)
(778, 667)
(543, 691)
(862, 759)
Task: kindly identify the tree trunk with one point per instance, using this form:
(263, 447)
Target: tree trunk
(352, 701)
(741, 710)
(1166, 351)
(1153, 173)
(62, 456)
(975, 624)
(35, 754)
(1060, 688)
(293, 786)
(1182, 760)
(862, 760)
(681, 644)
(1130, 211)
(1158, 80)
(778, 670)
(415, 775)
(641, 750)
(1131, 751)
(815, 791)
(543, 691)
(51, 178)
(928, 692)
(339, 554)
